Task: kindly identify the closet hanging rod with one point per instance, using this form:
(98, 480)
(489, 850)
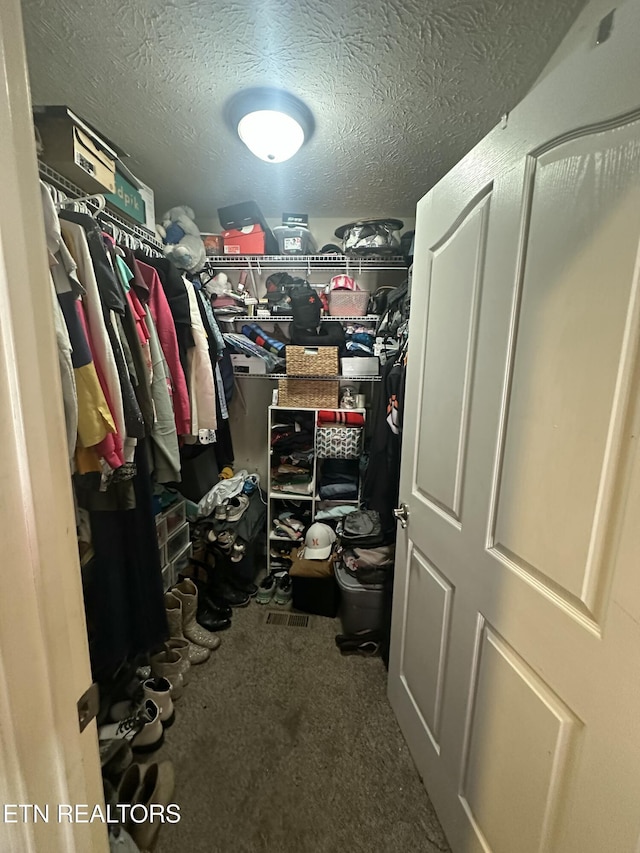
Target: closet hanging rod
(74, 193)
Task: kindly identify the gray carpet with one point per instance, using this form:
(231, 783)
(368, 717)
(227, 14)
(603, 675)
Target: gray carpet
(281, 745)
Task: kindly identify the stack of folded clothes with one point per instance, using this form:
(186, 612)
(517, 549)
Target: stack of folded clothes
(292, 455)
(360, 340)
(339, 480)
(285, 526)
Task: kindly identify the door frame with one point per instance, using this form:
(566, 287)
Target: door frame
(44, 655)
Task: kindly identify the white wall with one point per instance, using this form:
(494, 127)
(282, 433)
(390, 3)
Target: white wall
(581, 36)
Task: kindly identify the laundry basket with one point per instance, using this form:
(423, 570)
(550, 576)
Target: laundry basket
(348, 303)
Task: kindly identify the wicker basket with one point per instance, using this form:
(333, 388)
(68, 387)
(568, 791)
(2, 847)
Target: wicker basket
(319, 394)
(348, 303)
(312, 361)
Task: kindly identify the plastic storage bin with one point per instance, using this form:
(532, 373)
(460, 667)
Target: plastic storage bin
(361, 607)
(175, 516)
(177, 542)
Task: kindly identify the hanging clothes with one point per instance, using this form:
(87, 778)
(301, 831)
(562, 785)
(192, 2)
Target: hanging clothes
(381, 486)
(200, 378)
(99, 329)
(165, 326)
(124, 594)
(166, 452)
(176, 293)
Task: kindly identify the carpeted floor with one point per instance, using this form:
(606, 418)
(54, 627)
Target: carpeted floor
(281, 745)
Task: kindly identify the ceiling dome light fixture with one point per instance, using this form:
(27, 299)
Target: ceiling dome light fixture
(273, 124)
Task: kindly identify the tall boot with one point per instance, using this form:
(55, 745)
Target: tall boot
(182, 647)
(175, 618)
(187, 592)
(168, 664)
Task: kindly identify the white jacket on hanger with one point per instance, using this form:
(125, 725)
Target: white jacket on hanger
(202, 390)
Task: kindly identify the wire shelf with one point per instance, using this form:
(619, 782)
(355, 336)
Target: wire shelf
(74, 191)
(245, 318)
(304, 262)
(312, 378)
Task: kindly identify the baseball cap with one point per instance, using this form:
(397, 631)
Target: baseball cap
(343, 282)
(318, 541)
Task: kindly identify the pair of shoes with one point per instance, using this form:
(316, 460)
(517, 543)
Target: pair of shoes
(173, 663)
(156, 689)
(367, 642)
(232, 509)
(221, 591)
(275, 587)
(115, 757)
(183, 600)
(143, 728)
(146, 786)
(226, 541)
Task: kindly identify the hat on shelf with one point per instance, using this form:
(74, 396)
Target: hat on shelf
(318, 541)
(343, 282)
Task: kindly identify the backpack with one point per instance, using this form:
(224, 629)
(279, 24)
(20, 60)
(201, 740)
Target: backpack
(306, 307)
(362, 529)
(396, 311)
(280, 285)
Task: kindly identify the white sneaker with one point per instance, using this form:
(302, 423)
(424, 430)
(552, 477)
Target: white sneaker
(156, 689)
(143, 729)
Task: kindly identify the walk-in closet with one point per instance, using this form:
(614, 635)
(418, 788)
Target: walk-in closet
(319, 411)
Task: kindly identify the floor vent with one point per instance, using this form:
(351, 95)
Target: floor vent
(287, 620)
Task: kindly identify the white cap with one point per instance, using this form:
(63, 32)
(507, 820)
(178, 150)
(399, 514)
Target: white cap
(318, 541)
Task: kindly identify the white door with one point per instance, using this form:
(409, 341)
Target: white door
(44, 665)
(515, 660)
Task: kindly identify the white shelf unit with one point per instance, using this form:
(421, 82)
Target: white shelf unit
(313, 498)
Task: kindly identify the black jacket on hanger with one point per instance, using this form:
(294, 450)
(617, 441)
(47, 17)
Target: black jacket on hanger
(382, 480)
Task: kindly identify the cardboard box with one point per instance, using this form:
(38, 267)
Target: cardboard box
(213, 243)
(250, 364)
(360, 366)
(76, 150)
(246, 241)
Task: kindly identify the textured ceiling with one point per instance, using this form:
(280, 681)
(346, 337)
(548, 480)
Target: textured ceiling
(400, 89)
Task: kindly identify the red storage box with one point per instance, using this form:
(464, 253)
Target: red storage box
(247, 241)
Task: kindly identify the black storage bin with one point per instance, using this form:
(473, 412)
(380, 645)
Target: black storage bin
(319, 596)
(199, 471)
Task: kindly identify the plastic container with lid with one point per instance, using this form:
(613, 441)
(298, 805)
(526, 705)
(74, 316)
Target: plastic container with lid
(361, 607)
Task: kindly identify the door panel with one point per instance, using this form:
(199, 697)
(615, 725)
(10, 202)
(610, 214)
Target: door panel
(454, 292)
(515, 655)
(515, 722)
(428, 616)
(582, 208)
